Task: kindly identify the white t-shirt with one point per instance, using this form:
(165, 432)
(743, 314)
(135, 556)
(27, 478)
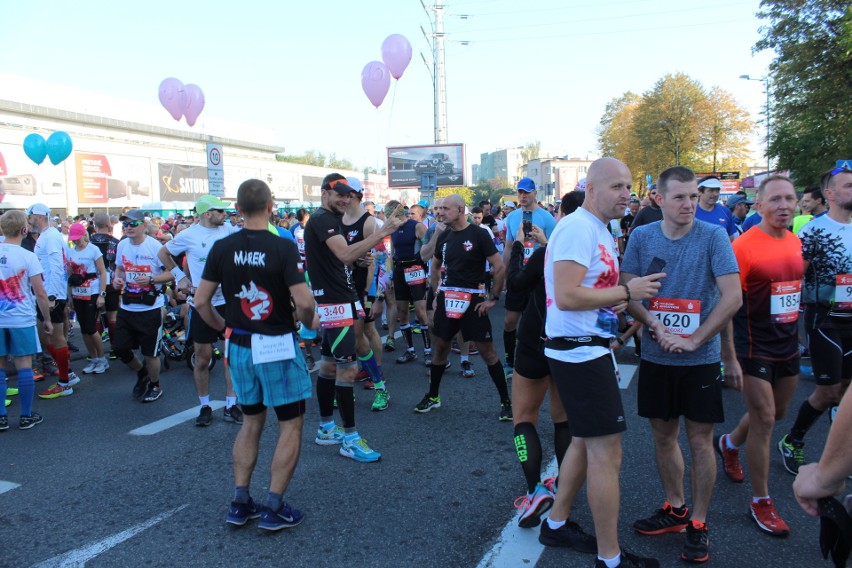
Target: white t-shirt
(139, 260)
(196, 242)
(82, 262)
(17, 301)
(51, 249)
(583, 238)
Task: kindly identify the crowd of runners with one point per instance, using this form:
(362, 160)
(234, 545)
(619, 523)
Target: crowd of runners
(712, 297)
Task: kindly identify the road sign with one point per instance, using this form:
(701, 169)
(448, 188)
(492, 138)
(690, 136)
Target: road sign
(215, 173)
(844, 164)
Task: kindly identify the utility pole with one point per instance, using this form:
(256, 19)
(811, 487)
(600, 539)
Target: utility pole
(439, 79)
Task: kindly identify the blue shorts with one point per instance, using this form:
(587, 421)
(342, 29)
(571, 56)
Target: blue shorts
(271, 384)
(19, 341)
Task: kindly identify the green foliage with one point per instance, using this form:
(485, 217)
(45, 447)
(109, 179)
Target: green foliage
(315, 158)
(811, 76)
(531, 151)
(465, 192)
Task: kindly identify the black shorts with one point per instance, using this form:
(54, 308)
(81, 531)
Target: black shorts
(831, 355)
(769, 370)
(530, 361)
(199, 331)
(668, 392)
(472, 326)
(138, 329)
(590, 395)
(87, 314)
(112, 300)
(516, 302)
(338, 346)
(285, 412)
(403, 291)
(430, 299)
(57, 314)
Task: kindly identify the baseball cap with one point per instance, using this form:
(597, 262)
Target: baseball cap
(581, 185)
(132, 215)
(634, 200)
(710, 183)
(509, 204)
(526, 184)
(76, 231)
(735, 200)
(207, 202)
(38, 209)
(337, 183)
(355, 184)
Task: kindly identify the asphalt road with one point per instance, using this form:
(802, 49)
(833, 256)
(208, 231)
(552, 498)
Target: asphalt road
(82, 490)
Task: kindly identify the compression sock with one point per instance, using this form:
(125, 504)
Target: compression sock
(561, 440)
(26, 390)
(499, 378)
(804, 420)
(241, 495)
(368, 363)
(62, 357)
(325, 398)
(436, 373)
(345, 403)
(528, 448)
(424, 333)
(509, 340)
(408, 335)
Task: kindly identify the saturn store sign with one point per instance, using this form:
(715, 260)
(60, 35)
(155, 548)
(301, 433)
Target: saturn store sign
(180, 182)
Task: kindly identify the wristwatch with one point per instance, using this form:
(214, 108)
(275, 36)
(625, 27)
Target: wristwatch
(103, 294)
(51, 298)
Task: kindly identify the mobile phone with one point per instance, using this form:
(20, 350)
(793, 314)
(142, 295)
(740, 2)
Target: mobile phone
(657, 265)
(527, 223)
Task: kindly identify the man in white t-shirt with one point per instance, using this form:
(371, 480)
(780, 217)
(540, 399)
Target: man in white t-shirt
(583, 300)
(196, 242)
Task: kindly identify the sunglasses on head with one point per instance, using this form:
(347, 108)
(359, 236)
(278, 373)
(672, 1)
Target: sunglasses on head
(131, 223)
(836, 171)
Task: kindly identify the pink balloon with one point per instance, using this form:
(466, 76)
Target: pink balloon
(173, 97)
(375, 80)
(194, 103)
(396, 53)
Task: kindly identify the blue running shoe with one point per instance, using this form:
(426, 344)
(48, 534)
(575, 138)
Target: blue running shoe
(240, 513)
(284, 518)
(329, 437)
(359, 450)
(533, 505)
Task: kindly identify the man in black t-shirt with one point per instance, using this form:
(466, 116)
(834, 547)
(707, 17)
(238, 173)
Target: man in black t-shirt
(107, 244)
(260, 277)
(329, 257)
(650, 214)
(460, 303)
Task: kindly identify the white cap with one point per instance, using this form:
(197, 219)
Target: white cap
(38, 209)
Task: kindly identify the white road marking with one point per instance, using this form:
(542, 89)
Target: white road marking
(8, 486)
(78, 557)
(517, 546)
(173, 420)
(626, 373)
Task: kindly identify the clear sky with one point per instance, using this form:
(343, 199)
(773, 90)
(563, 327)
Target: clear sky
(533, 70)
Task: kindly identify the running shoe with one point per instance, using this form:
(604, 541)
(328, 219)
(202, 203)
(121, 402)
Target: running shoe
(730, 458)
(508, 371)
(56, 391)
(665, 520)
(630, 560)
(90, 368)
(4, 422)
(362, 376)
(140, 387)
(697, 547)
(8, 402)
(550, 483)
(381, 401)
(454, 347)
(234, 414)
(240, 513)
(38, 374)
(329, 437)
(28, 422)
(792, 454)
(505, 412)
(406, 357)
(390, 344)
(112, 356)
(369, 384)
(205, 417)
(767, 519)
(73, 379)
(473, 349)
(11, 391)
(102, 366)
(467, 370)
(569, 535)
(312, 365)
(359, 450)
(428, 404)
(153, 392)
(284, 518)
(71, 347)
(533, 505)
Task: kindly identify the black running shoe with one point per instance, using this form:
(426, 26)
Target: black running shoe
(234, 414)
(569, 535)
(505, 412)
(697, 547)
(153, 393)
(663, 521)
(630, 560)
(205, 416)
(140, 387)
(406, 357)
(28, 422)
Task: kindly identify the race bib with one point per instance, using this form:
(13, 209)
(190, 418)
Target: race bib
(335, 315)
(300, 244)
(681, 317)
(359, 309)
(135, 271)
(843, 292)
(81, 293)
(270, 348)
(456, 303)
(529, 249)
(415, 275)
(784, 302)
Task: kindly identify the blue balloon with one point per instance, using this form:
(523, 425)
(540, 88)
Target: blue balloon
(35, 148)
(59, 147)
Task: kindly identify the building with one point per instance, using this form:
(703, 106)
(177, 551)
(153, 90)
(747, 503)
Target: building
(554, 177)
(506, 163)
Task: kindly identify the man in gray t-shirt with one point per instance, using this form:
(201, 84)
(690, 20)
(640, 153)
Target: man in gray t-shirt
(679, 370)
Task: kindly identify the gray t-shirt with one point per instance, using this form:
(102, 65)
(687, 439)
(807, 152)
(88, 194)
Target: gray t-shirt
(693, 263)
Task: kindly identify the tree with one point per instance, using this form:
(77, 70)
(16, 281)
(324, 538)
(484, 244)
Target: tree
(465, 192)
(315, 158)
(530, 151)
(617, 133)
(724, 128)
(811, 77)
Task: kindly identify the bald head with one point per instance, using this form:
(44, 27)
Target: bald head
(454, 200)
(604, 168)
(608, 184)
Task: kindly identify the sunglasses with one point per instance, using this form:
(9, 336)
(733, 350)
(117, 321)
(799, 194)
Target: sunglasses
(131, 223)
(217, 210)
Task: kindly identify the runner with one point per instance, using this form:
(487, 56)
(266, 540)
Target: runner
(827, 296)
(196, 243)
(679, 369)
(88, 281)
(583, 298)
(460, 304)
(328, 257)
(107, 244)
(766, 339)
(258, 273)
(710, 210)
(409, 283)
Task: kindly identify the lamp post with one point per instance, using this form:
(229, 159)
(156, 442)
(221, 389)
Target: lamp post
(765, 81)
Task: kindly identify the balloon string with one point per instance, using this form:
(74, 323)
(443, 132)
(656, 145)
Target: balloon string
(390, 116)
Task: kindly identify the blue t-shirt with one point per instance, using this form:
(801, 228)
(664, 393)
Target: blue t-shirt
(693, 262)
(285, 233)
(751, 221)
(540, 218)
(720, 215)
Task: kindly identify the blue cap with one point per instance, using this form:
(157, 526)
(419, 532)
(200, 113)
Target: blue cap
(526, 184)
(423, 203)
(355, 184)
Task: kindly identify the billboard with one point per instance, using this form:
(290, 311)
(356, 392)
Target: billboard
(121, 179)
(179, 182)
(23, 183)
(406, 164)
(730, 180)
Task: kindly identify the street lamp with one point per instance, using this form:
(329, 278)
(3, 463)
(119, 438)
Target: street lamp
(764, 80)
